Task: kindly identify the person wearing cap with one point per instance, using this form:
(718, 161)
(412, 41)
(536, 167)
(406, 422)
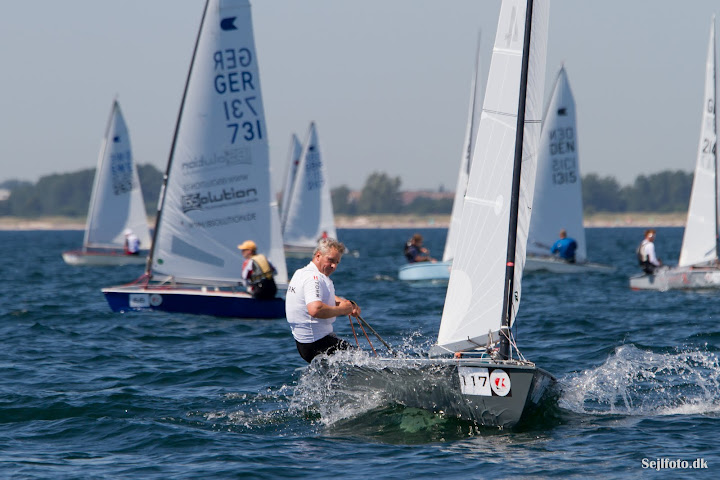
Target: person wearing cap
(311, 305)
(257, 272)
(646, 253)
(132, 243)
(565, 247)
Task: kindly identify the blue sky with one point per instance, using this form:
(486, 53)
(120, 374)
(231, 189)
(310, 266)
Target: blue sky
(386, 81)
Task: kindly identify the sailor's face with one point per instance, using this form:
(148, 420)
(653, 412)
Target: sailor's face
(328, 263)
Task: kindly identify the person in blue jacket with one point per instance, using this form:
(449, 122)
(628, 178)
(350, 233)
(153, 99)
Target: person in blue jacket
(565, 247)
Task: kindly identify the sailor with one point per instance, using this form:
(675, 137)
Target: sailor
(646, 253)
(132, 243)
(415, 252)
(565, 247)
(257, 272)
(311, 305)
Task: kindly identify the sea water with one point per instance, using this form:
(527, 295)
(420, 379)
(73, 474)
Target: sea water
(87, 393)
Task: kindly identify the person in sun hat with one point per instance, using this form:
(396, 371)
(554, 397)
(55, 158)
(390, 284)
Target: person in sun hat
(646, 253)
(132, 243)
(257, 272)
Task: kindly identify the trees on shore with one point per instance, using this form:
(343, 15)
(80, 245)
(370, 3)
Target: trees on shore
(69, 195)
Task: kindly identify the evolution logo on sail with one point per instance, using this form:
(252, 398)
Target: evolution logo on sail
(227, 158)
(228, 196)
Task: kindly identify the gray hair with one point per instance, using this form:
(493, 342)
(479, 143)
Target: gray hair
(326, 244)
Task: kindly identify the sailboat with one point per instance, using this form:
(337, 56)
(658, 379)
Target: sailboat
(116, 203)
(216, 192)
(293, 162)
(466, 375)
(309, 214)
(439, 272)
(698, 266)
(558, 189)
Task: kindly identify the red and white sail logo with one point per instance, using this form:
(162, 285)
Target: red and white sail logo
(500, 382)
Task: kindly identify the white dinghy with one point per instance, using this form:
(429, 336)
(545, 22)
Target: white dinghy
(310, 213)
(698, 265)
(216, 192)
(558, 189)
(116, 203)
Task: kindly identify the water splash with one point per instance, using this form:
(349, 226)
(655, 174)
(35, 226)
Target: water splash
(646, 383)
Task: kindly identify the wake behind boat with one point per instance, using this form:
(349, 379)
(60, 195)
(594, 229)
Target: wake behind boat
(699, 266)
(558, 189)
(470, 376)
(116, 203)
(216, 192)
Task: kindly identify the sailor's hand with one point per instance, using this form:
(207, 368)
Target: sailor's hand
(356, 309)
(346, 307)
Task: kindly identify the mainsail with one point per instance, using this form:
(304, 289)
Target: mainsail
(475, 296)
(467, 152)
(558, 188)
(701, 229)
(294, 153)
(217, 187)
(310, 212)
(116, 202)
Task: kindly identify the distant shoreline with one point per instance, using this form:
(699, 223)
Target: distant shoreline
(603, 220)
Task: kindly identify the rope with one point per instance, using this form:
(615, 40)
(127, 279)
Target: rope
(353, 330)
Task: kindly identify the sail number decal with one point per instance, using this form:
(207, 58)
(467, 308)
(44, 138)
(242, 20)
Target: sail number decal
(234, 82)
(564, 168)
(486, 382)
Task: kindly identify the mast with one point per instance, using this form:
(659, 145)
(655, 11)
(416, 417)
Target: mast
(714, 148)
(163, 189)
(515, 196)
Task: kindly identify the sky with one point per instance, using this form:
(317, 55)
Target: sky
(386, 81)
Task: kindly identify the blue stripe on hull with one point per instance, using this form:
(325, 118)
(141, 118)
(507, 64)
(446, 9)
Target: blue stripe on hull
(219, 306)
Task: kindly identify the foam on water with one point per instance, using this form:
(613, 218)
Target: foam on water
(641, 382)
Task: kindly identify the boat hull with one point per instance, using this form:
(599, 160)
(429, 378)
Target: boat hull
(295, 251)
(198, 301)
(680, 278)
(489, 393)
(555, 265)
(98, 259)
(425, 271)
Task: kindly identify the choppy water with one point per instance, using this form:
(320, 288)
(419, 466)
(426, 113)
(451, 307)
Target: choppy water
(86, 393)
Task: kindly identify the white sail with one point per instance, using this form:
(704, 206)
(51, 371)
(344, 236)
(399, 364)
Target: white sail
(474, 301)
(294, 153)
(470, 134)
(558, 188)
(699, 239)
(116, 202)
(217, 192)
(277, 250)
(310, 212)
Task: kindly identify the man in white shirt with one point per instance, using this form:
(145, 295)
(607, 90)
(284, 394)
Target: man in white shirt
(311, 305)
(646, 253)
(132, 242)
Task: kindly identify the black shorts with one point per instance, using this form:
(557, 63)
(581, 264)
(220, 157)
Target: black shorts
(329, 344)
